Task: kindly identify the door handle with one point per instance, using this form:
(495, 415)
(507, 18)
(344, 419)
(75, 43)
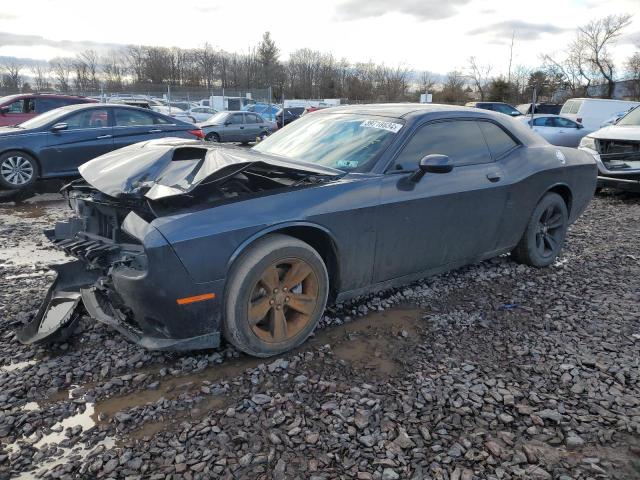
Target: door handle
(104, 136)
(155, 130)
(493, 176)
(241, 128)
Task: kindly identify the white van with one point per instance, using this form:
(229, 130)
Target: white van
(592, 112)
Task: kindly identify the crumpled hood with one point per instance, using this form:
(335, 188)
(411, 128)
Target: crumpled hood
(167, 167)
(618, 132)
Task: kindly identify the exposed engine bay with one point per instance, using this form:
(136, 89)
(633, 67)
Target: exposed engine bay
(115, 202)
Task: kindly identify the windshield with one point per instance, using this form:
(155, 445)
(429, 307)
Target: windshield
(347, 142)
(217, 118)
(44, 118)
(631, 118)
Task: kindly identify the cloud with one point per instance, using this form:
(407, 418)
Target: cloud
(421, 9)
(502, 31)
(72, 46)
(631, 38)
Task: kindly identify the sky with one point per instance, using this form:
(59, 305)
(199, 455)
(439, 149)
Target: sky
(434, 35)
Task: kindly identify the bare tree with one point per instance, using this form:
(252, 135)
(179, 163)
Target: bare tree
(453, 88)
(62, 67)
(632, 66)
(597, 36)
(480, 76)
(41, 76)
(11, 74)
(427, 82)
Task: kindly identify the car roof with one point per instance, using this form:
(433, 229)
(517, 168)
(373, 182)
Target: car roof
(399, 110)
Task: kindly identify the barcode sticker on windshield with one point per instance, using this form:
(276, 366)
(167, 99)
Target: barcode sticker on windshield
(390, 126)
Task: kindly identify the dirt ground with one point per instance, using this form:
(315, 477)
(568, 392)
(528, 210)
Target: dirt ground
(494, 371)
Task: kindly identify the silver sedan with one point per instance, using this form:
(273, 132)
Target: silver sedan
(556, 130)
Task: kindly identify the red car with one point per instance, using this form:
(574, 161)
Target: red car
(19, 108)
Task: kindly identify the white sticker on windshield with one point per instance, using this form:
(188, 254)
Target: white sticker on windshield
(389, 126)
(347, 163)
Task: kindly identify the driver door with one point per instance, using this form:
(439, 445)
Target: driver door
(442, 219)
(88, 135)
(234, 127)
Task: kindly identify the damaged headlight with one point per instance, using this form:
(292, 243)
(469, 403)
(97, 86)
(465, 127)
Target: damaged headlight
(588, 142)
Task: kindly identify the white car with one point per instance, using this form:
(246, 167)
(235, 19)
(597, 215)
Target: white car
(174, 112)
(202, 113)
(591, 112)
(616, 149)
(555, 129)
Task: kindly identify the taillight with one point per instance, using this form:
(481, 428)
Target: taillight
(579, 119)
(197, 133)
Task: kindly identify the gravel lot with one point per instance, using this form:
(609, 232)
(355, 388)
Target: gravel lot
(493, 371)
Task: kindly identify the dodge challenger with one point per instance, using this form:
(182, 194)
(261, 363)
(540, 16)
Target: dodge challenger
(179, 243)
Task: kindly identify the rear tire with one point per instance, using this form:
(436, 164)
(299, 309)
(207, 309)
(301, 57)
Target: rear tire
(17, 170)
(212, 137)
(276, 294)
(545, 233)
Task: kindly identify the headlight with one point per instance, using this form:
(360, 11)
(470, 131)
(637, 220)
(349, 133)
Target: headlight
(588, 142)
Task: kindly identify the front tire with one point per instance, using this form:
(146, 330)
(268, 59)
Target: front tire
(17, 170)
(545, 233)
(276, 294)
(212, 137)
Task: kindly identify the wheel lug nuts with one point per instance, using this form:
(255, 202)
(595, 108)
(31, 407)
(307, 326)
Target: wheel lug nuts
(284, 289)
(271, 302)
(278, 307)
(286, 299)
(275, 290)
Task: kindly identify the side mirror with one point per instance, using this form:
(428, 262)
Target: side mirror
(579, 126)
(434, 163)
(59, 127)
(4, 110)
(228, 122)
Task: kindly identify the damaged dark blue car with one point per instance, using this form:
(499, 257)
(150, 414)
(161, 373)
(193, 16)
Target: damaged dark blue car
(179, 243)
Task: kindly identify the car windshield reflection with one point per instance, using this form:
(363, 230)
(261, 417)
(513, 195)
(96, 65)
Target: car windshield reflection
(343, 141)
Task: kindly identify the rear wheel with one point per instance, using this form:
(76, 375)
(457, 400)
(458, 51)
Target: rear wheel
(212, 137)
(544, 237)
(17, 170)
(276, 294)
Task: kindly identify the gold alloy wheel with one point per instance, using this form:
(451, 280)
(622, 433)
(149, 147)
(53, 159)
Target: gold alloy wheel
(283, 300)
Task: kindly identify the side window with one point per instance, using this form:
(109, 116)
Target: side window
(94, 118)
(16, 107)
(236, 118)
(46, 104)
(564, 123)
(253, 118)
(461, 140)
(132, 118)
(540, 122)
(498, 140)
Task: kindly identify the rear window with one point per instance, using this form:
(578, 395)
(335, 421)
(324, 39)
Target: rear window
(572, 106)
(498, 140)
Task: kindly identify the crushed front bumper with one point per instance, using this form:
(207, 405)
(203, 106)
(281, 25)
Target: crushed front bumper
(134, 293)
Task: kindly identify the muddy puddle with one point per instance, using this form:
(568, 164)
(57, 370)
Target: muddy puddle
(372, 343)
(57, 436)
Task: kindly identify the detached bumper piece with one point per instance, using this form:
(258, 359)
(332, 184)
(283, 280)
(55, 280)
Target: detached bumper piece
(61, 309)
(620, 183)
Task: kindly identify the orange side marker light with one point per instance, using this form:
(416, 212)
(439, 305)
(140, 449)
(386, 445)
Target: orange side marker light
(196, 298)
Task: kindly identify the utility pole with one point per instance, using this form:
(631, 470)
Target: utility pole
(513, 34)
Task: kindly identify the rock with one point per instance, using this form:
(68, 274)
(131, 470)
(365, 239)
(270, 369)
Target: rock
(367, 440)
(389, 474)
(261, 399)
(574, 442)
(494, 448)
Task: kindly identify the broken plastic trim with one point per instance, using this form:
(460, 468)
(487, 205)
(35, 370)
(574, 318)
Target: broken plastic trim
(60, 311)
